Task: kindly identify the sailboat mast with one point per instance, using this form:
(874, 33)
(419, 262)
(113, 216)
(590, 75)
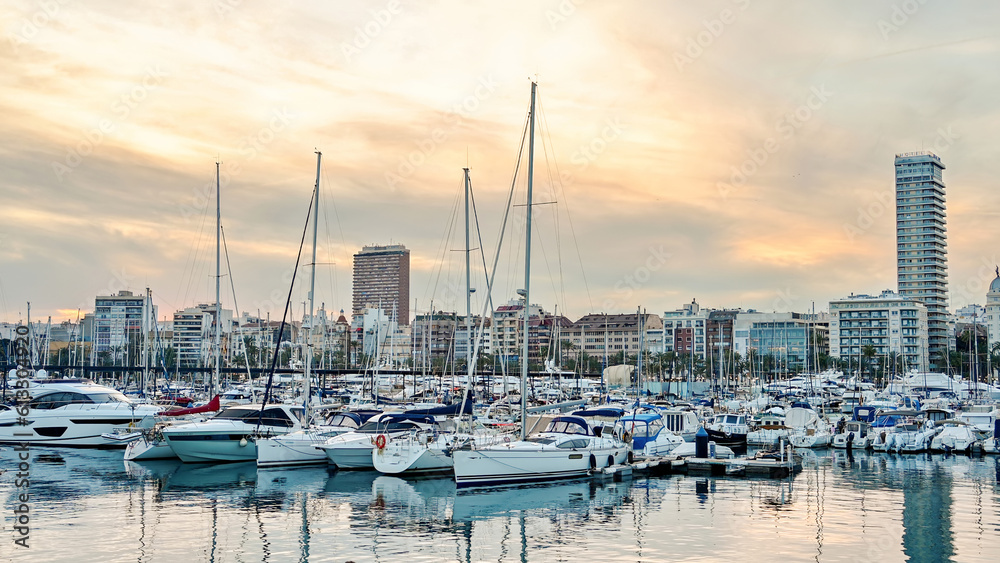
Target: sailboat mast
(527, 266)
(218, 276)
(312, 289)
(468, 293)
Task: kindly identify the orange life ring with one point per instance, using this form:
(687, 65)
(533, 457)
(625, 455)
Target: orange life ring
(380, 441)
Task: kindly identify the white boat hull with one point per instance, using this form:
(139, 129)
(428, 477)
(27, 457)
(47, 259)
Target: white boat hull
(844, 441)
(76, 425)
(143, 449)
(355, 456)
(515, 463)
(817, 440)
(405, 456)
(296, 448)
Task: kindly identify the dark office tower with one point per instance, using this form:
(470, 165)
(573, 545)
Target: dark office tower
(382, 280)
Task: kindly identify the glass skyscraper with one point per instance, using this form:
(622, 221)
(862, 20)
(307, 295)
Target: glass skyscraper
(921, 243)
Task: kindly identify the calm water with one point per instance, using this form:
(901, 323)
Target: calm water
(91, 506)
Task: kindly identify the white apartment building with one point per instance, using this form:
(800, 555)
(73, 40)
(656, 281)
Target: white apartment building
(889, 322)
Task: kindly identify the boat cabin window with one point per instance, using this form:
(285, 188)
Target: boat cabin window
(343, 420)
(114, 397)
(235, 414)
(56, 400)
(274, 417)
(394, 426)
(573, 444)
(643, 429)
(539, 440)
(675, 422)
(733, 419)
(564, 426)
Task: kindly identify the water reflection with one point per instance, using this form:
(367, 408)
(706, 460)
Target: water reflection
(844, 505)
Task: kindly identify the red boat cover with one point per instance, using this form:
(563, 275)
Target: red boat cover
(212, 405)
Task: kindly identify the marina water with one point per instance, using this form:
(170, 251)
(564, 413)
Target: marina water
(89, 505)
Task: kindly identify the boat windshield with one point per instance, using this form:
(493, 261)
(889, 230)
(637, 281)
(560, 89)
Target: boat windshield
(566, 426)
(394, 426)
(235, 414)
(112, 397)
(64, 398)
(269, 417)
(342, 420)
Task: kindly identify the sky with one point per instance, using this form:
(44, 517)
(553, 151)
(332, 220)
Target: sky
(737, 152)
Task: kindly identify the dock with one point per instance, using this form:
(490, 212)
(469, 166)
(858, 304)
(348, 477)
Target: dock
(730, 467)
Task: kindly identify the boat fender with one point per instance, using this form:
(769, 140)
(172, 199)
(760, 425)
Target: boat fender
(593, 462)
(629, 457)
(243, 442)
(380, 441)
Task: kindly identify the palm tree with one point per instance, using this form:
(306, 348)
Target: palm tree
(868, 352)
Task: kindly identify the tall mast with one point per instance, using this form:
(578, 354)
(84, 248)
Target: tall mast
(469, 360)
(218, 276)
(147, 308)
(527, 266)
(312, 289)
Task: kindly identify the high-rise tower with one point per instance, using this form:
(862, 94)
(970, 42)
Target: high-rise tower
(382, 280)
(922, 245)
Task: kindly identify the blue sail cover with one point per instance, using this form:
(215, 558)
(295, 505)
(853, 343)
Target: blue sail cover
(865, 414)
(609, 412)
(444, 410)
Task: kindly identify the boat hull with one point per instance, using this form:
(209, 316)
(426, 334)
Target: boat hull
(297, 448)
(400, 457)
(81, 426)
(504, 465)
(210, 448)
(356, 456)
(143, 449)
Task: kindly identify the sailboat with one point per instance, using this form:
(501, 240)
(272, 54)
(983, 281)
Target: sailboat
(299, 447)
(230, 435)
(569, 447)
(430, 451)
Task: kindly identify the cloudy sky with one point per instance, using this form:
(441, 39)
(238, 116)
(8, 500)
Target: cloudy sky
(737, 152)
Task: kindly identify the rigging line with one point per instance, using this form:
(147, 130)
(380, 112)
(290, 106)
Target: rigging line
(479, 236)
(569, 217)
(340, 227)
(236, 310)
(544, 132)
(193, 256)
(510, 205)
(445, 242)
(284, 317)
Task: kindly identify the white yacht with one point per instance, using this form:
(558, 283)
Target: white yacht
(74, 412)
(429, 451)
(649, 435)
(231, 435)
(353, 450)
(768, 428)
(808, 429)
(854, 435)
(301, 447)
(567, 448)
(954, 436)
(682, 422)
